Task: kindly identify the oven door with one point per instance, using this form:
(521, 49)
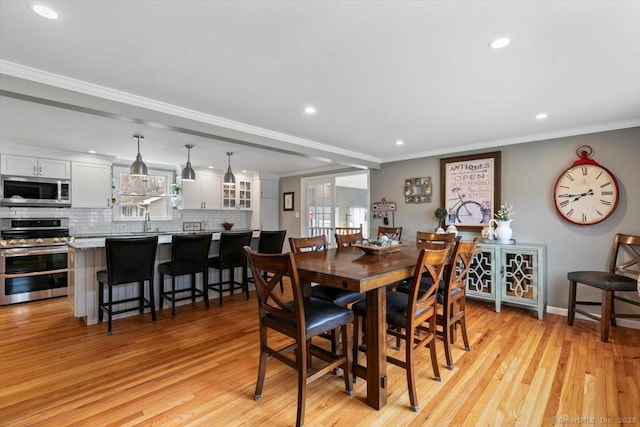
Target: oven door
(28, 274)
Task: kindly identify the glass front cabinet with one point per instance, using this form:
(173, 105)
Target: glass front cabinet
(512, 274)
(238, 195)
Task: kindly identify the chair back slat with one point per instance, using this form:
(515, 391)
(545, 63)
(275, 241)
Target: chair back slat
(625, 255)
(344, 240)
(430, 261)
(460, 264)
(305, 244)
(393, 233)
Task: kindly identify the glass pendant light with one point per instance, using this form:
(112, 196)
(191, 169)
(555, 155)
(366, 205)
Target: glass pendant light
(188, 174)
(138, 168)
(229, 179)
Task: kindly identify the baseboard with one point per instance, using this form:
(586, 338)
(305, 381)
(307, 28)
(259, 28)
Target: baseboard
(627, 323)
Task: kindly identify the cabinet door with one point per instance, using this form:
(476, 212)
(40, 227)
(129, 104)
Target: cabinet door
(269, 189)
(19, 165)
(519, 276)
(91, 185)
(482, 275)
(245, 190)
(210, 191)
(229, 196)
(50, 168)
(191, 198)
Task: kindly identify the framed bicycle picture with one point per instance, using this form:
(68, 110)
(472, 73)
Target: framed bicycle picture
(470, 189)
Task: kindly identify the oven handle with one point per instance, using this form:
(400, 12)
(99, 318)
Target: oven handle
(37, 273)
(9, 253)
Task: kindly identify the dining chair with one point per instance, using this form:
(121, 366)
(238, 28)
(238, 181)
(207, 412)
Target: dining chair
(621, 276)
(451, 300)
(344, 240)
(410, 317)
(300, 319)
(189, 255)
(393, 233)
(340, 297)
(231, 256)
(129, 260)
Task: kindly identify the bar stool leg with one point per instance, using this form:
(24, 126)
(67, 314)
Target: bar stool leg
(110, 309)
(152, 301)
(173, 297)
(141, 296)
(100, 302)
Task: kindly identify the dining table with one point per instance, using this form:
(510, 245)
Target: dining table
(352, 269)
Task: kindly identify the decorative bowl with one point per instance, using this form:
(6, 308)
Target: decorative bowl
(379, 250)
(227, 225)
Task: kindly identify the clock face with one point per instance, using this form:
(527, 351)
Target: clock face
(586, 194)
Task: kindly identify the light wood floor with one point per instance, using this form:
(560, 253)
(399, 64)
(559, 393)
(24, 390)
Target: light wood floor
(200, 369)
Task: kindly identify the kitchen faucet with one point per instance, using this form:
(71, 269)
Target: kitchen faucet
(146, 221)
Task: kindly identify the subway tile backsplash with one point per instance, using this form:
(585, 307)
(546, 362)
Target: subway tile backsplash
(99, 221)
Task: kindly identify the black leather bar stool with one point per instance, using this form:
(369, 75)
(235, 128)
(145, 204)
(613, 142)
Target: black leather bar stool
(189, 255)
(129, 260)
(271, 242)
(230, 256)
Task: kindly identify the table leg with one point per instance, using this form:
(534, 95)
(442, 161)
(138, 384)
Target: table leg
(376, 347)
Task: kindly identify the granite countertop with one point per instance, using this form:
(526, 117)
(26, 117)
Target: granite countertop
(91, 241)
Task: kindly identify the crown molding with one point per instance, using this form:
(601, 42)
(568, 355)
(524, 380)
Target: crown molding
(63, 82)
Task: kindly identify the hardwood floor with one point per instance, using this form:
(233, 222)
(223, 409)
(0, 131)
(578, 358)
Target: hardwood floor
(201, 368)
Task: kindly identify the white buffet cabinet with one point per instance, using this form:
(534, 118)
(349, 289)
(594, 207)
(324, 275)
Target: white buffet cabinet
(87, 256)
(514, 274)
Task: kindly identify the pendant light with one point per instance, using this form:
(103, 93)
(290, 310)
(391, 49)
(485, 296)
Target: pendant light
(229, 179)
(188, 174)
(138, 168)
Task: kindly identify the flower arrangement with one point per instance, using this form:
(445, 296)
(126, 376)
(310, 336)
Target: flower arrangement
(505, 212)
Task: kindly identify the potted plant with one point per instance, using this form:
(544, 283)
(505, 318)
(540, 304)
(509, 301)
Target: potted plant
(441, 214)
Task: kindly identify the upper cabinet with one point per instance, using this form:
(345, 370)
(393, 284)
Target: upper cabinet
(33, 166)
(203, 193)
(238, 195)
(91, 185)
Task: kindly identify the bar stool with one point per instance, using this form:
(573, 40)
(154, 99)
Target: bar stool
(271, 242)
(230, 256)
(189, 255)
(129, 260)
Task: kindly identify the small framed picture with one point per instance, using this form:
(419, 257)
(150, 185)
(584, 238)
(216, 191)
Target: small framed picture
(287, 202)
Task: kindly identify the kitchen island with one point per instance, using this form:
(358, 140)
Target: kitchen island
(87, 256)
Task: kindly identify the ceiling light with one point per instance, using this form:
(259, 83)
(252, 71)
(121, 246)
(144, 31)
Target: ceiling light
(541, 116)
(44, 11)
(92, 151)
(188, 174)
(229, 179)
(138, 168)
(399, 142)
(310, 110)
(210, 167)
(500, 43)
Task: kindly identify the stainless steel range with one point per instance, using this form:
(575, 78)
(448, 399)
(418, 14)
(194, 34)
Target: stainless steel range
(33, 259)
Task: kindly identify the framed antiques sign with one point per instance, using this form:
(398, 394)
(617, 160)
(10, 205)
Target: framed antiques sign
(417, 190)
(470, 189)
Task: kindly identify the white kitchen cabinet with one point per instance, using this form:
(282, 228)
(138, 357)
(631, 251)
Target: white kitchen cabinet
(513, 274)
(203, 193)
(34, 166)
(266, 214)
(238, 195)
(90, 185)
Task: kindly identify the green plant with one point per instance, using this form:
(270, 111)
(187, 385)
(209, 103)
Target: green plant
(441, 214)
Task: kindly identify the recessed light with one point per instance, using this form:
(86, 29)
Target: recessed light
(44, 11)
(310, 110)
(500, 43)
(399, 142)
(244, 171)
(210, 167)
(541, 116)
(92, 151)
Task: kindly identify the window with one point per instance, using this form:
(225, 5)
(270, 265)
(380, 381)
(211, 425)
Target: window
(137, 195)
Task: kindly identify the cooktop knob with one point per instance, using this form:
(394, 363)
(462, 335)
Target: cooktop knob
(55, 240)
(22, 242)
(39, 240)
(12, 242)
(63, 239)
(3, 243)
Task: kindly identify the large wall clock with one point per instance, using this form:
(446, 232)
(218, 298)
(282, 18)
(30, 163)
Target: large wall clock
(586, 193)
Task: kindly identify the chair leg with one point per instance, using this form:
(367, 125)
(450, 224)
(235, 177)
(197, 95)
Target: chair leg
(605, 316)
(245, 281)
(232, 280)
(434, 359)
(571, 313)
(613, 309)
(357, 340)
(447, 332)
(141, 296)
(173, 297)
(205, 289)
(152, 301)
(220, 285)
(410, 368)
(193, 288)
(346, 369)
(302, 383)
(100, 302)
(110, 309)
(162, 293)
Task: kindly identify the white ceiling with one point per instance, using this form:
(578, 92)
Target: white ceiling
(186, 72)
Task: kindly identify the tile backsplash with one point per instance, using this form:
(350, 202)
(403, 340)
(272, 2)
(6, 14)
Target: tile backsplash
(100, 220)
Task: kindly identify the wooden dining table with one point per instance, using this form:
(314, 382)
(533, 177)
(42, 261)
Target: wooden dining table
(351, 269)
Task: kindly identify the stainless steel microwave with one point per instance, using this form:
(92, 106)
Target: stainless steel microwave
(27, 191)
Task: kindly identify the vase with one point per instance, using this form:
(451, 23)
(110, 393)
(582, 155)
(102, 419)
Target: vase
(503, 231)
(453, 230)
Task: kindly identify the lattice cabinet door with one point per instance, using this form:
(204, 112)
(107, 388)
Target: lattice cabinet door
(482, 276)
(521, 276)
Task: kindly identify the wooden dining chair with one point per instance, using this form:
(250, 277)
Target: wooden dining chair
(344, 240)
(451, 300)
(340, 297)
(393, 233)
(410, 317)
(622, 276)
(301, 320)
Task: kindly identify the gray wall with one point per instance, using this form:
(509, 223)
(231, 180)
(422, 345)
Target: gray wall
(529, 172)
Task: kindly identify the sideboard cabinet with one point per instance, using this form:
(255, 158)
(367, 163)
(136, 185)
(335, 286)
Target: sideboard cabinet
(512, 274)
